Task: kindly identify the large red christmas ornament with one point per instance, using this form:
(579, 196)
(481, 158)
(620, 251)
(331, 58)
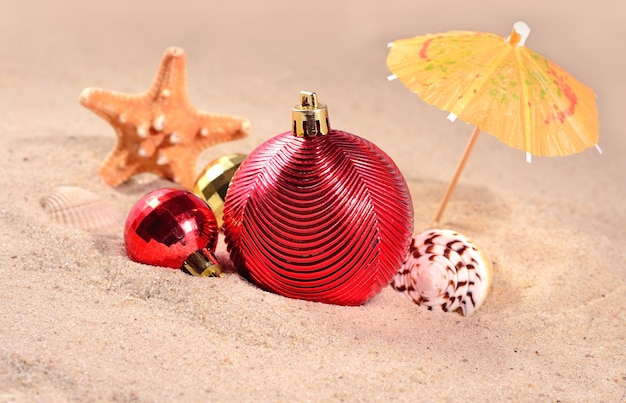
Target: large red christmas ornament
(318, 214)
(173, 228)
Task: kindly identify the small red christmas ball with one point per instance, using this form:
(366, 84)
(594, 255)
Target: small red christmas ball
(318, 214)
(172, 228)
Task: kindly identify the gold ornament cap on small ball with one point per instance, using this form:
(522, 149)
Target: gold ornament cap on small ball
(202, 263)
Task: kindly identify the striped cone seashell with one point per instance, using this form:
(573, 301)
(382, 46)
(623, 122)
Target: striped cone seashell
(79, 208)
(444, 270)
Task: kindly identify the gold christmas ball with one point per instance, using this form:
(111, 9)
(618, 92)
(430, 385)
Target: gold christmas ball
(212, 184)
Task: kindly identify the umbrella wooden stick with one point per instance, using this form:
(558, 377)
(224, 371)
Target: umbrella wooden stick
(457, 173)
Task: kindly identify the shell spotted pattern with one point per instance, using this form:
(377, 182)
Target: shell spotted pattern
(445, 271)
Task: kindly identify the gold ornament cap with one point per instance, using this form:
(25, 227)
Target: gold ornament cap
(202, 263)
(310, 118)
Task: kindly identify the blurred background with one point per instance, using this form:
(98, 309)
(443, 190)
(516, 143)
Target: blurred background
(252, 58)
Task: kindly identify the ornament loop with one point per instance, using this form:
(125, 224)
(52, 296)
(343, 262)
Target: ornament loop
(310, 118)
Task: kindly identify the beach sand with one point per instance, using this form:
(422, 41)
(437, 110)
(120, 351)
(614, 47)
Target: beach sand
(81, 322)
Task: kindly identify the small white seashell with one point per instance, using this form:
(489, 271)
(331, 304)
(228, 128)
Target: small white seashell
(79, 208)
(444, 270)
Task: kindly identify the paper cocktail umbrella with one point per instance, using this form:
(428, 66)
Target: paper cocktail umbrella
(501, 87)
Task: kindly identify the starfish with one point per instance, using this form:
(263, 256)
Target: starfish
(160, 131)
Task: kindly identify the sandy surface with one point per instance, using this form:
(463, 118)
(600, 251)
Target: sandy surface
(81, 322)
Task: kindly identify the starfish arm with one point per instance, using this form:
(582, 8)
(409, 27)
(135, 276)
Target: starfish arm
(112, 106)
(214, 129)
(170, 80)
(183, 166)
(217, 129)
(123, 163)
(115, 169)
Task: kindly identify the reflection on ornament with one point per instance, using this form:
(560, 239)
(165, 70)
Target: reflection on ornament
(212, 184)
(318, 214)
(173, 228)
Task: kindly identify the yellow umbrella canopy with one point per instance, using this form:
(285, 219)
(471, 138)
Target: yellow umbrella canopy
(500, 86)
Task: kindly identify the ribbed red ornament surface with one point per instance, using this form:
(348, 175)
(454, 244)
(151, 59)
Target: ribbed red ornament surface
(167, 225)
(326, 218)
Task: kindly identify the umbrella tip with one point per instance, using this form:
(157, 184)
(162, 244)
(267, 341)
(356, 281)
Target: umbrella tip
(389, 44)
(392, 77)
(529, 157)
(452, 117)
(519, 34)
(598, 148)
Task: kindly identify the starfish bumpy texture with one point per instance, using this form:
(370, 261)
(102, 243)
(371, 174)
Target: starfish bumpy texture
(160, 131)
